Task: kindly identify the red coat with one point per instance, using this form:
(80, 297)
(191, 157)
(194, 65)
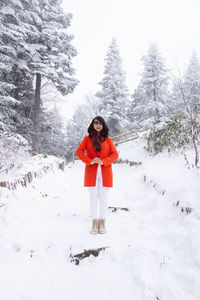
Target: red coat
(108, 155)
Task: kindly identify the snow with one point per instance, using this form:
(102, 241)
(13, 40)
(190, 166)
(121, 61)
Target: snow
(153, 249)
(28, 163)
(7, 10)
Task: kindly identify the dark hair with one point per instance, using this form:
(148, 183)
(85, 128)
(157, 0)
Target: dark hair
(104, 131)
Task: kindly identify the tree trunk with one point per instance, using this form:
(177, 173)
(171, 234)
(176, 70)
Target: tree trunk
(36, 115)
(194, 141)
(157, 115)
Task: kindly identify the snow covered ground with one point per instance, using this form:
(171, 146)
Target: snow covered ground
(30, 163)
(153, 249)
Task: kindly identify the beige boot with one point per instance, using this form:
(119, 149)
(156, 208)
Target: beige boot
(102, 226)
(94, 229)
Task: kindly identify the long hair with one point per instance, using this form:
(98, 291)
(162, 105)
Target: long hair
(104, 131)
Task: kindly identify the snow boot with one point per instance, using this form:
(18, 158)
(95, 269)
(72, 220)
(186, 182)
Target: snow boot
(94, 229)
(102, 226)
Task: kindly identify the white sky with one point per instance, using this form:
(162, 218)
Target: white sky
(173, 24)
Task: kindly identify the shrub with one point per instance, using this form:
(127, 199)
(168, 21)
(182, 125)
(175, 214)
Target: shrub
(173, 135)
(13, 148)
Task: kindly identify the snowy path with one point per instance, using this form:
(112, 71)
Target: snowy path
(153, 249)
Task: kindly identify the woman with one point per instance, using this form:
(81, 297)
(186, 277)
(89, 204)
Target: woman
(99, 156)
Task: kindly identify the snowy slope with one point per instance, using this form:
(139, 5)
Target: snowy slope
(153, 249)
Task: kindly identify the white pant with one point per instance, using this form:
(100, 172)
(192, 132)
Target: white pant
(98, 197)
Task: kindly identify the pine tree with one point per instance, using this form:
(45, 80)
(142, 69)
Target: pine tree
(12, 52)
(190, 90)
(191, 84)
(137, 108)
(177, 99)
(52, 135)
(77, 126)
(113, 95)
(34, 42)
(52, 131)
(16, 56)
(151, 101)
(53, 44)
(24, 93)
(92, 103)
(56, 52)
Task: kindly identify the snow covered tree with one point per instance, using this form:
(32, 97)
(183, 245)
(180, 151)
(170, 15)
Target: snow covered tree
(12, 52)
(113, 96)
(55, 51)
(52, 127)
(191, 84)
(77, 126)
(34, 39)
(151, 101)
(135, 112)
(52, 135)
(177, 99)
(24, 93)
(53, 44)
(186, 89)
(189, 88)
(92, 103)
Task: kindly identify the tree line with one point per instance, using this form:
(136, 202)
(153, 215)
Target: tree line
(36, 55)
(158, 96)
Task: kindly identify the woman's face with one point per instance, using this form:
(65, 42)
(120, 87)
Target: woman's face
(98, 126)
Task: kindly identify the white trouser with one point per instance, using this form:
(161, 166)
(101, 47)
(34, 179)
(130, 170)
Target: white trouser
(98, 197)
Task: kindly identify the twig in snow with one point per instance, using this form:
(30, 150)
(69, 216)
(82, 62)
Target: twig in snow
(77, 257)
(113, 208)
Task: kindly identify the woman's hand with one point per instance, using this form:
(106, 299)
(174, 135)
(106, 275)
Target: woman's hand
(96, 160)
(100, 162)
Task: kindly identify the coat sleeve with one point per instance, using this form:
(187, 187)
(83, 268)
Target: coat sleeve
(112, 156)
(80, 152)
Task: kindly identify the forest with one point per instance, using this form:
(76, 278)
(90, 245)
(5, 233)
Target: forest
(36, 57)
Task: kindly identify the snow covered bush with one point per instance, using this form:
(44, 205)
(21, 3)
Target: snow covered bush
(13, 148)
(171, 135)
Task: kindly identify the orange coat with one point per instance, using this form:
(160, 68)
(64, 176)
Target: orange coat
(108, 155)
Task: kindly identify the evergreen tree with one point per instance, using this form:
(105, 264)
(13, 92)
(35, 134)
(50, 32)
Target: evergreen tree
(191, 84)
(92, 102)
(52, 43)
(24, 93)
(177, 99)
(12, 53)
(186, 90)
(52, 131)
(33, 41)
(150, 98)
(52, 135)
(56, 52)
(113, 95)
(190, 91)
(136, 109)
(77, 126)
